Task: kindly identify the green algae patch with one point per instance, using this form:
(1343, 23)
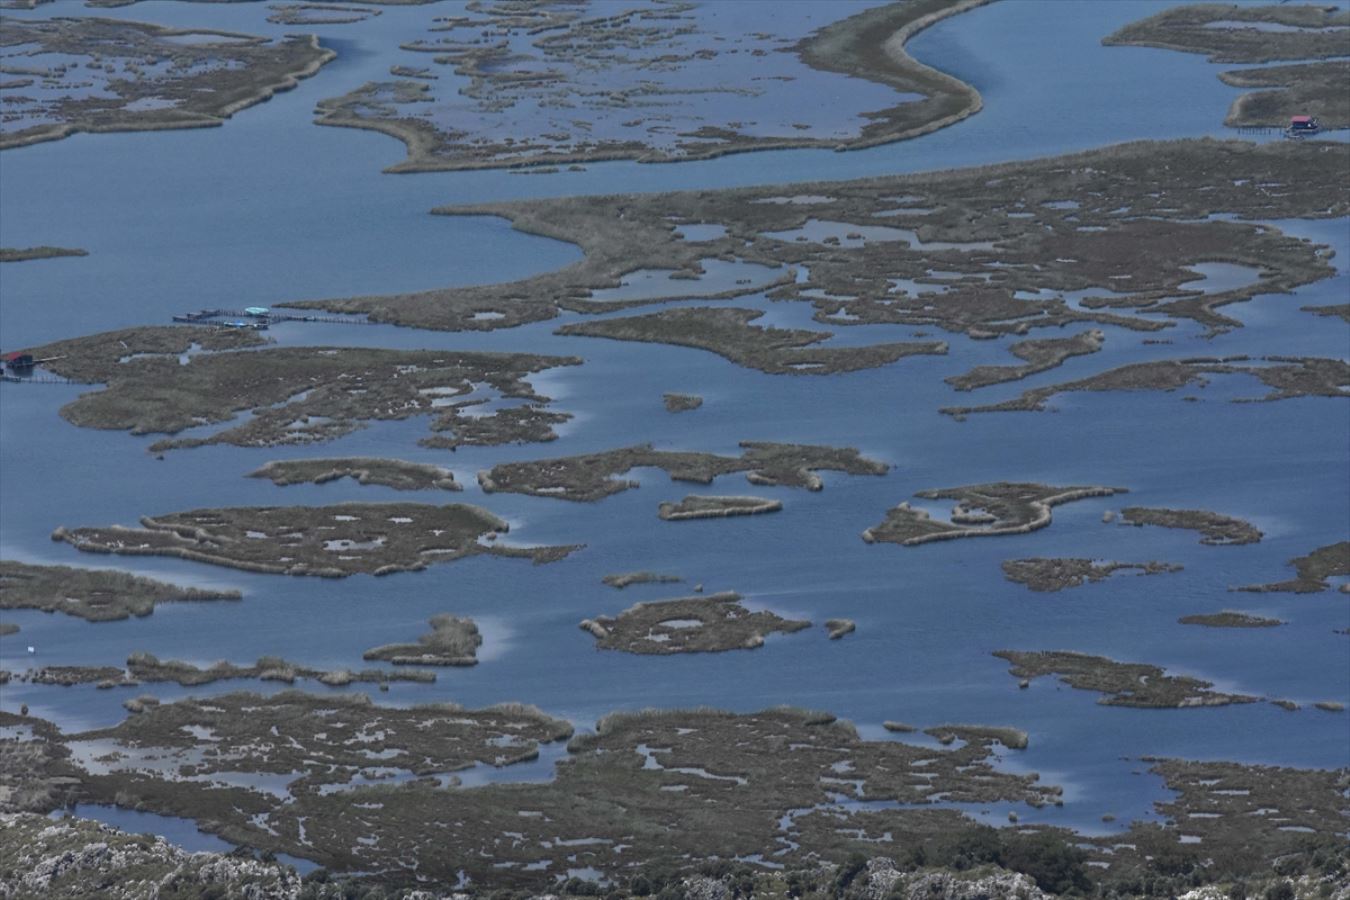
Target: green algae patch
(621, 580)
(1040, 355)
(677, 403)
(145, 77)
(708, 624)
(1315, 571)
(592, 476)
(1124, 684)
(395, 473)
(1214, 528)
(166, 380)
(328, 541)
(1230, 619)
(1287, 377)
(981, 510)
(22, 254)
(728, 333)
(98, 595)
(696, 506)
(1056, 574)
(452, 641)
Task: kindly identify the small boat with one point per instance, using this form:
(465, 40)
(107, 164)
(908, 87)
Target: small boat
(1303, 126)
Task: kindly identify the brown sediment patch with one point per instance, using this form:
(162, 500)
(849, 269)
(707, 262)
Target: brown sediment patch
(329, 541)
(681, 402)
(1314, 571)
(628, 51)
(297, 395)
(203, 83)
(1058, 573)
(1214, 528)
(20, 254)
(695, 506)
(981, 510)
(452, 641)
(1124, 684)
(708, 624)
(1329, 706)
(1288, 378)
(398, 474)
(591, 476)
(728, 333)
(623, 580)
(1040, 355)
(1315, 32)
(1230, 619)
(8, 628)
(988, 251)
(99, 595)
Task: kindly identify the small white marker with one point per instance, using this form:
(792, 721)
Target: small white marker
(32, 649)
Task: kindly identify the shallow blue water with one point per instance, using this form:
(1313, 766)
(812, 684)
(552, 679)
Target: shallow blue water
(270, 207)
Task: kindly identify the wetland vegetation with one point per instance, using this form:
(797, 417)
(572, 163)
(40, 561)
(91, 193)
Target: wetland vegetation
(135, 76)
(1056, 574)
(1228, 33)
(592, 476)
(21, 254)
(398, 474)
(1286, 377)
(695, 506)
(605, 67)
(1123, 684)
(98, 595)
(1230, 619)
(708, 624)
(728, 332)
(168, 380)
(1314, 572)
(987, 252)
(452, 641)
(1214, 528)
(328, 541)
(981, 510)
